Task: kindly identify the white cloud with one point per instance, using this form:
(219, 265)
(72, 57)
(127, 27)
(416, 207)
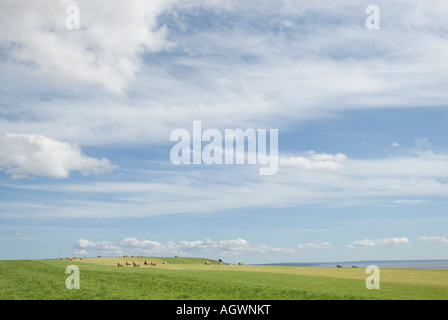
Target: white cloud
(24, 154)
(315, 160)
(145, 244)
(371, 243)
(433, 239)
(84, 246)
(19, 234)
(395, 144)
(393, 241)
(104, 51)
(314, 245)
(361, 243)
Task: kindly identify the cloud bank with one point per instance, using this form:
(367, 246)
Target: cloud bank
(186, 248)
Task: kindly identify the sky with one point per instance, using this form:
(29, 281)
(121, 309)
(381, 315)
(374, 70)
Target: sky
(91, 93)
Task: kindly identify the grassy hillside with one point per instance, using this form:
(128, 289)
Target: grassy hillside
(190, 278)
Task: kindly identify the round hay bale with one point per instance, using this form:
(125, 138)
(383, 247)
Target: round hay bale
(120, 264)
(136, 264)
(240, 263)
(146, 262)
(164, 262)
(125, 256)
(61, 258)
(81, 258)
(153, 263)
(220, 263)
(207, 262)
(128, 263)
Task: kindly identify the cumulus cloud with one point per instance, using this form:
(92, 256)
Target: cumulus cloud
(84, 246)
(361, 243)
(31, 154)
(393, 241)
(313, 160)
(314, 245)
(433, 239)
(371, 243)
(104, 51)
(141, 244)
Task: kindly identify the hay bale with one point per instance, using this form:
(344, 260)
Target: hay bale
(240, 263)
(146, 262)
(70, 259)
(81, 258)
(207, 262)
(99, 257)
(136, 264)
(163, 262)
(128, 263)
(220, 263)
(125, 256)
(61, 258)
(120, 264)
(153, 263)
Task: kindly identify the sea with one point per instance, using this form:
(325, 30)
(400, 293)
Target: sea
(403, 264)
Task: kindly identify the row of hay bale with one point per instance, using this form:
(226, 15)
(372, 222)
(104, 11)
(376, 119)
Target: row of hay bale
(220, 263)
(125, 256)
(137, 264)
(71, 258)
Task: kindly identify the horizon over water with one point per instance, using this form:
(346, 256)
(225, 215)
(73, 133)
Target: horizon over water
(405, 264)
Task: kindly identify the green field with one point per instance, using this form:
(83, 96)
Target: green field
(190, 278)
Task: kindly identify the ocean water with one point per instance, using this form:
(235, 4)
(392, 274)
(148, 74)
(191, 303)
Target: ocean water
(404, 264)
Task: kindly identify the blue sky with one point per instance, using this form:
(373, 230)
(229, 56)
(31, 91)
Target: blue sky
(86, 116)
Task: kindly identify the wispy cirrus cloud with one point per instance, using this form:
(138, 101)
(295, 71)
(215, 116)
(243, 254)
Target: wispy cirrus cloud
(314, 245)
(266, 72)
(396, 180)
(433, 239)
